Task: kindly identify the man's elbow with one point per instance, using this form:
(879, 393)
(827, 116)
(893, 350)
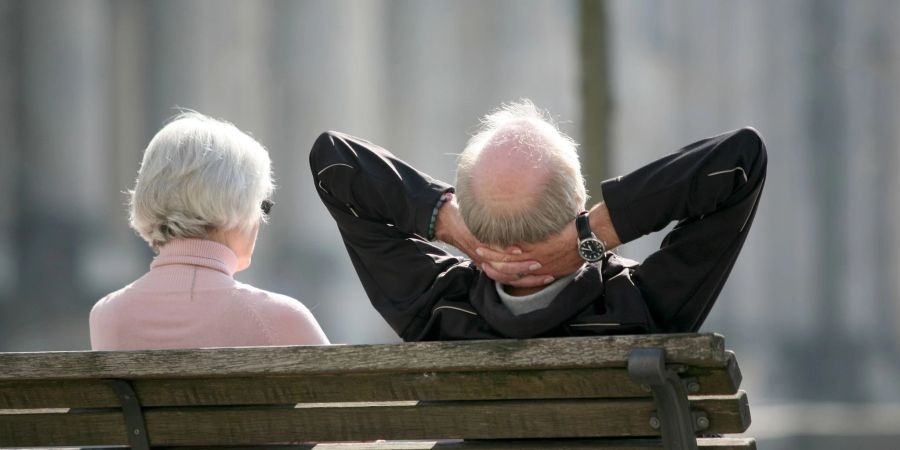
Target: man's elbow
(324, 145)
(750, 147)
(751, 139)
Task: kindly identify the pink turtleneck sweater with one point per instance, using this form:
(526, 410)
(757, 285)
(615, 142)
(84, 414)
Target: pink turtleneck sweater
(190, 299)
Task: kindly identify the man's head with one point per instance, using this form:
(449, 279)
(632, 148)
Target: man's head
(519, 178)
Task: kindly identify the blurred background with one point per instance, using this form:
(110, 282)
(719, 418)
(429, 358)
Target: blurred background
(812, 307)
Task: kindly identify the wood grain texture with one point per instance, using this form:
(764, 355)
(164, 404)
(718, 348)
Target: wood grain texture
(703, 350)
(509, 389)
(62, 428)
(362, 422)
(738, 416)
(522, 384)
(733, 369)
(523, 444)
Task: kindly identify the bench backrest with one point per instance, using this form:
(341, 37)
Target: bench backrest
(539, 388)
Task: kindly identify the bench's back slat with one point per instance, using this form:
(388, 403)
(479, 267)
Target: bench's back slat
(354, 387)
(62, 429)
(353, 422)
(701, 350)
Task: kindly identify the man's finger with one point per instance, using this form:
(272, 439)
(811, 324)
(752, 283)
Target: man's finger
(513, 250)
(489, 254)
(531, 281)
(514, 268)
(497, 276)
(515, 280)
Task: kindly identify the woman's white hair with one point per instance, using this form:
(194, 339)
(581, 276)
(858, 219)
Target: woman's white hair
(199, 174)
(562, 197)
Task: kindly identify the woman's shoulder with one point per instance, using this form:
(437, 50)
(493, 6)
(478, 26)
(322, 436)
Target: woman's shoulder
(105, 317)
(111, 300)
(270, 302)
(288, 318)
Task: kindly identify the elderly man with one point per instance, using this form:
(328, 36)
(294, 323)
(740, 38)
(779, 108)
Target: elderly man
(539, 264)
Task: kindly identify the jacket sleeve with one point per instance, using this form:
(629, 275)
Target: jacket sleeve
(383, 208)
(711, 188)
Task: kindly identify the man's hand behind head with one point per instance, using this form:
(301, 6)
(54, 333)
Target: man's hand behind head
(513, 269)
(557, 255)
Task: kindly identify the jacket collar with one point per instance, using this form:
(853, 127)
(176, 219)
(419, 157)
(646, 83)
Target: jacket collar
(585, 288)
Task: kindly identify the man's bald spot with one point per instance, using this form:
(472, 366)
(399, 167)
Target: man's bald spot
(512, 168)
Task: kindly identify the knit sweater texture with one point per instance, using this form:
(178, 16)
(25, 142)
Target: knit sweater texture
(190, 299)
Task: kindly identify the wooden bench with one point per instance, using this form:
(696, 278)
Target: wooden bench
(614, 392)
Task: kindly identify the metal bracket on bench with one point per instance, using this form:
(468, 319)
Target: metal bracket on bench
(135, 427)
(674, 419)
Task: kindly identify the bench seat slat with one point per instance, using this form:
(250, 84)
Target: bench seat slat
(356, 422)
(702, 350)
(524, 384)
(536, 444)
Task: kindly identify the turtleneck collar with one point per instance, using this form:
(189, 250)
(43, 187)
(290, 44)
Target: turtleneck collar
(197, 252)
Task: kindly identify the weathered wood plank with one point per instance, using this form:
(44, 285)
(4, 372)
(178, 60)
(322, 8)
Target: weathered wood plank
(56, 394)
(61, 428)
(705, 350)
(363, 422)
(717, 381)
(524, 384)
(733, 369)
(738, 416)
(522, 444)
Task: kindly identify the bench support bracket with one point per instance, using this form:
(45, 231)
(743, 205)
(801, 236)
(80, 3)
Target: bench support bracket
(647, 366)
(135, 427)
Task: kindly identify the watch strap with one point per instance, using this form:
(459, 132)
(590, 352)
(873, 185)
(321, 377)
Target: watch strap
(583, 226)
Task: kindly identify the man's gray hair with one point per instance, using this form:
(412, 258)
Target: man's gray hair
(199, 174)
(561, 197)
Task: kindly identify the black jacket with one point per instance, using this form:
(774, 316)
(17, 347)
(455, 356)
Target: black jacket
(383, 208)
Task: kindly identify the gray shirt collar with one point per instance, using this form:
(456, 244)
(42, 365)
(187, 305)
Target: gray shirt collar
(532, 302)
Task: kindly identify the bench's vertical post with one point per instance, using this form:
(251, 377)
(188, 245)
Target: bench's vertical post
(647, 366)
(135, 427)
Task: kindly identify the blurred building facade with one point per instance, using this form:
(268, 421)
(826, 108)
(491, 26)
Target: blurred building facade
(813, 304)
(86, 84)
(811, 307)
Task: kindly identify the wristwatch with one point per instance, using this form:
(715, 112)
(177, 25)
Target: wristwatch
(590, 248)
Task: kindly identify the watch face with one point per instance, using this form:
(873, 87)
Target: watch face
(591, 250)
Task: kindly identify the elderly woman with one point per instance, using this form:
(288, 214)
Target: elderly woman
(202, 190)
